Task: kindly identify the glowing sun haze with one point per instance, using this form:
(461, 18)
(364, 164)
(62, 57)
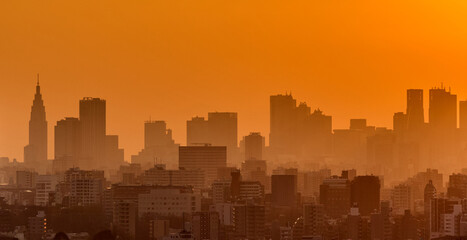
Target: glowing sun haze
(172, 60)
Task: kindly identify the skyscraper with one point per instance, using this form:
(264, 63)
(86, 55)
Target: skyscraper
(197, 131)
(223, 129)
(35, 153)
(158, 146)
(67, 143)
(254, 144)
(415, 113)
(283, 119)
(443, 109)
(92, 114)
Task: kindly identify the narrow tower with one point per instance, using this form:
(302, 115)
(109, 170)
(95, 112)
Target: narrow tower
(35, 153)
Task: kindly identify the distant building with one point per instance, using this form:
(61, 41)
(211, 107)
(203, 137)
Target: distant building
(249, 221)
(92, 115)
(206, 225)
(37, 227)
(182, 177)
(365, 193)
(254, 145)
(284, 190)
(335, 197)
(35, 153)
(169, 201)
(207, 158)
(45, 185)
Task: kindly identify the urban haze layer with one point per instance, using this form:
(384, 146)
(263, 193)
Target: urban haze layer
(309, 182)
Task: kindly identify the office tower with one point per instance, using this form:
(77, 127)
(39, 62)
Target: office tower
(380, 151)
(284, 190)
(197, 131)
(358, 124)
(282, 122)
(92, 114)
(205, 225)
(443, 109)
(365, 192)
(254, 145)
(335, 196)
(207, 158)
(357, 226)
(317, 137)
(463, 115)
(114, 156)
(35, 153)
(249, 220)
(399, 123)
(159, 146)
(156, 134)
(457, 186)
(415, 113)
(67, 144)
(313, 220)
(223, 129)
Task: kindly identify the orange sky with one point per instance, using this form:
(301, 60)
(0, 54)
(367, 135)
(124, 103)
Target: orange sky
(175, 59)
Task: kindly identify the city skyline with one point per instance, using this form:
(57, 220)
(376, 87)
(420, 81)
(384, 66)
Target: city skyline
(180, 134)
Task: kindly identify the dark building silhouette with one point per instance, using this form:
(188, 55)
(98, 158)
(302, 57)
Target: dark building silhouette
(358, 124)
(443, 109)
(67, 144)
(92, 114)
(159, 146)
(254, 145)
(219, 130)
(284, 190)
(429, 194)
(282, 122)
(415, 112)
(223, 129)
(35, 153)
(365, 193)
(335, 196)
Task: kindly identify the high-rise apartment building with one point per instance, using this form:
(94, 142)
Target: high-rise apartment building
(254, 145)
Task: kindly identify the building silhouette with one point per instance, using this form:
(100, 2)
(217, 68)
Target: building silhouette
(67, 144)
(254, 145)
(207, 158)
(92, 114)
(415, 112)
(365, 193)
(35, 153)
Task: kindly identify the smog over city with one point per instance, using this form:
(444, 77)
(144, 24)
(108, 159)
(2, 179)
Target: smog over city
(233, 120)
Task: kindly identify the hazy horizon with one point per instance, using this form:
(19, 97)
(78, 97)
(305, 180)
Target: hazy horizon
(212, 56)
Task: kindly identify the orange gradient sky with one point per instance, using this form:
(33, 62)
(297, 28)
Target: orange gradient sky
(172, 60)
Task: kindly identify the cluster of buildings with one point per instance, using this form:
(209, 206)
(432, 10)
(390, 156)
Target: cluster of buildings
(217, 187)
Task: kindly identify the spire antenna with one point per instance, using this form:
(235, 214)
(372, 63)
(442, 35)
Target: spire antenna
(38, 79)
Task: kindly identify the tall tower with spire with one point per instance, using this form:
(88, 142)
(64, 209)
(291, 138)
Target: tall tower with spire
(35, 153)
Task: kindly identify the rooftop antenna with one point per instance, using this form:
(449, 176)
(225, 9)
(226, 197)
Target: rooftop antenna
(38, 79)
